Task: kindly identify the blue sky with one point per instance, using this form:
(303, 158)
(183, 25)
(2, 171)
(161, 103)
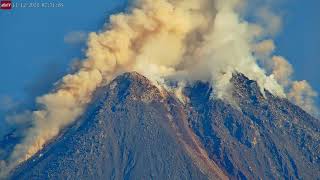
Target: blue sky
(299, 41)
(34, 51)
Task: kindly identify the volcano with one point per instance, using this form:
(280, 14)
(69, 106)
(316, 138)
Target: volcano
(134, 129)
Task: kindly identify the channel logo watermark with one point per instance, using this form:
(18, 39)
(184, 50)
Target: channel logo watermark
(6, 5)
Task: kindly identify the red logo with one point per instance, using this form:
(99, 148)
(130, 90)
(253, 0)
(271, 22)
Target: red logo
(6, 5)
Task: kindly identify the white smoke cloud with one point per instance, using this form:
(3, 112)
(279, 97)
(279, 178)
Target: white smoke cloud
(227, 47)
(282, 70)
(270, 21)
(298, 92)
(264, 48)
(303, 95)
(184, 40)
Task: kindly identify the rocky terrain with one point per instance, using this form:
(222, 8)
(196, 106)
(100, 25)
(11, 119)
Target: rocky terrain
(264, 137)
(136, 130)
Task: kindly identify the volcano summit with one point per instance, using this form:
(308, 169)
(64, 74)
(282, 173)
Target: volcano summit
(136, 130)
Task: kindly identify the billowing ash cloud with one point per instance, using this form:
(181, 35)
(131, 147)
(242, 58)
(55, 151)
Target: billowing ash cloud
(175, 39)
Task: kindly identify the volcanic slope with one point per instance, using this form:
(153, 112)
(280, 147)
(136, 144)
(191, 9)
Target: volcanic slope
(135, 130)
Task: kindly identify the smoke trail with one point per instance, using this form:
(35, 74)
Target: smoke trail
(184, 40)
(303, 95)
(299, 92)
(282, 70)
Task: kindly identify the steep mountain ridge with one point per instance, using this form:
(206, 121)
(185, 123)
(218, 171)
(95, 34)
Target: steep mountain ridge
(127, 135)
(262, 137)
(135, 130)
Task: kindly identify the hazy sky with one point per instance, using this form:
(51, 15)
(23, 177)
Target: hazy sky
(37, 45)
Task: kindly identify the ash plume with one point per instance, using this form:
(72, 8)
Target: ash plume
(161, 39)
